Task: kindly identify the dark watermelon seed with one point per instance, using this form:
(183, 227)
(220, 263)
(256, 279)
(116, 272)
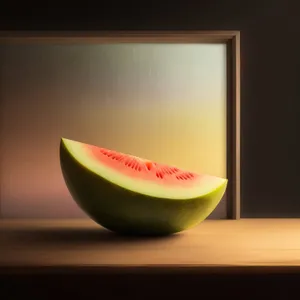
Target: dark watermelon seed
(159, 175)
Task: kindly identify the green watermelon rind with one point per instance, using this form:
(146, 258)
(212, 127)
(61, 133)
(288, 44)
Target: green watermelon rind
(124, 211)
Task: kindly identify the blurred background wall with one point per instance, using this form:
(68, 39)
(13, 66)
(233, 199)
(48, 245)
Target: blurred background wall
(165, 102)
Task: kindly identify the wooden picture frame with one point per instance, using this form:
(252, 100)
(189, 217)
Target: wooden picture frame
(232, 40)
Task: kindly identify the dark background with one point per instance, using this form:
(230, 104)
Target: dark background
(270, 77)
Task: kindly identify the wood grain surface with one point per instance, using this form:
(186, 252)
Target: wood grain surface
(214, 243)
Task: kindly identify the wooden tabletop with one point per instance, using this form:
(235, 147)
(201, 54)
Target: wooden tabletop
(212, 244)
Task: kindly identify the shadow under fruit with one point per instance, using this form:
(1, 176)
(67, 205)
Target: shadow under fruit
(130, 195)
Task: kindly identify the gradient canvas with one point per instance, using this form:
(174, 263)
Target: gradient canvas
(164, 102)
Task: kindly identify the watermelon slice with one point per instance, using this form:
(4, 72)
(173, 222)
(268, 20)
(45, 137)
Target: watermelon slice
(132, 195)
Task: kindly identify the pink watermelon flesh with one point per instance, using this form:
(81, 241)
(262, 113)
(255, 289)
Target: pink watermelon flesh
(142, 169)
(129, 194)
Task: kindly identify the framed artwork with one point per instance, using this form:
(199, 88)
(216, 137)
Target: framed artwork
(172, 97)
